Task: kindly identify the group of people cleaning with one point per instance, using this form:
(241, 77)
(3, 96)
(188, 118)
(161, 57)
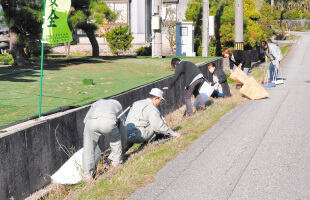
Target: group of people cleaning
(144, 121)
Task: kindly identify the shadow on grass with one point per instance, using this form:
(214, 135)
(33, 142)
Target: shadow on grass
(17, 74)
(53, 62)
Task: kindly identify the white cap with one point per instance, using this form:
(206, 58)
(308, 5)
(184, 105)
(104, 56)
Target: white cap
(157, 93)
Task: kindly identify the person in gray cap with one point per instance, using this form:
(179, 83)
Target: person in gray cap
(102, 119)
(144, 120)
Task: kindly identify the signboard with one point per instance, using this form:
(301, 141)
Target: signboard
(55, 27)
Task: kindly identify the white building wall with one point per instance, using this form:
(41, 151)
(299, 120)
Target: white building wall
(138, 20)
(182, 5)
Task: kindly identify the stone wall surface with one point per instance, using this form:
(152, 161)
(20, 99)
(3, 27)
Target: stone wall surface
(31, 154)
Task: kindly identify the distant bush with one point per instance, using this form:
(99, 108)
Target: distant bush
(144, 51)
(6, 59)
(298, 28)
(119, 39)
(199, 50)
(34, 48)
(293, 15)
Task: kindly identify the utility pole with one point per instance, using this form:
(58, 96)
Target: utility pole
(239, 41)
(205, 28)
(157, 37)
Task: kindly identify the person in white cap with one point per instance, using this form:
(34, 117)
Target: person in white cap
(102, 119)
(144, 120)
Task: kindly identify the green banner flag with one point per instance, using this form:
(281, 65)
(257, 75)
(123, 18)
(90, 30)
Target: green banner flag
(55, 27)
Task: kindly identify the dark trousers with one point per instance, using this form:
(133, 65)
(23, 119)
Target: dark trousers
(193, 89)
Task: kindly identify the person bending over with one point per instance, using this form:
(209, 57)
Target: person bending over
(273, 52)
(192, 78)
(101, 119)
(240, 58)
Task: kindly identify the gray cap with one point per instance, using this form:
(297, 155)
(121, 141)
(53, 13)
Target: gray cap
(157, 93)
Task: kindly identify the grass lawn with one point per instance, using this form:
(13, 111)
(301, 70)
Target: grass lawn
(63, 82)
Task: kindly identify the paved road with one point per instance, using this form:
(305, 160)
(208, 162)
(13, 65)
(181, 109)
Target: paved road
(259, 150)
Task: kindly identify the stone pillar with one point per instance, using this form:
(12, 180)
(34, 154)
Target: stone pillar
(157, 53)
(239, 41)
(205, 28)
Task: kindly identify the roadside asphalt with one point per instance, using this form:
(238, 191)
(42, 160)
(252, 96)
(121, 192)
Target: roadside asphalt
(259, 150)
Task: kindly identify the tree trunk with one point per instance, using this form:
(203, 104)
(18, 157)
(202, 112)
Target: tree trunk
(67, 48)
(18, 53)
(171, 49)
(94, 42)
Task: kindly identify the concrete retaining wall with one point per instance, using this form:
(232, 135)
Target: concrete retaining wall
(30, 154)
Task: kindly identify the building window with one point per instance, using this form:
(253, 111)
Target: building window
(184, 31)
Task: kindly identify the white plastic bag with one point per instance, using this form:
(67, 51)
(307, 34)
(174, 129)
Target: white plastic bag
(205, 91)
(71, 171)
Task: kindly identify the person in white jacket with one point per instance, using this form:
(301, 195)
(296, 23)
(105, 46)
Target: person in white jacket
(273, 52)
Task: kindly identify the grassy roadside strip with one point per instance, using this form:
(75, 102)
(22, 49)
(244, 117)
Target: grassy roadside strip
(141, 166)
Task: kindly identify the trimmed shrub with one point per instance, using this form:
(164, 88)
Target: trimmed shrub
(144, 51)
(119, 39)
(6, 59)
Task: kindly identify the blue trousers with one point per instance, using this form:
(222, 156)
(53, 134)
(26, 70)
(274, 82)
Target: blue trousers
(273, 72)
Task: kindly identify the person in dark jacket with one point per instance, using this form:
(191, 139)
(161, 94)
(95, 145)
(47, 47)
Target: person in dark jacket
(217, 76)
(240, 58)
(192, 78)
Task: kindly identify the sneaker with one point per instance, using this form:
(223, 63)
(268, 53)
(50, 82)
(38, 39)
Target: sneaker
(202, 108)
(189, 115)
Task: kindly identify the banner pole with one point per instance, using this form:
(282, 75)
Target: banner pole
(42, 60)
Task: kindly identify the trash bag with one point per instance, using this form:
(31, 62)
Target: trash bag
(71, 171)
(238, 76)
(253, 90)
(205, 91)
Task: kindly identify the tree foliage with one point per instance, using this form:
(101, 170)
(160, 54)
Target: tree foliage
(224, 13)
(24, 19)
(119, 39)
(169, 24)
(88, 15)
(194, 13)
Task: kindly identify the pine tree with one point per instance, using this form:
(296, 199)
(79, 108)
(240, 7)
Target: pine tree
(88, 15)
(24, 19)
